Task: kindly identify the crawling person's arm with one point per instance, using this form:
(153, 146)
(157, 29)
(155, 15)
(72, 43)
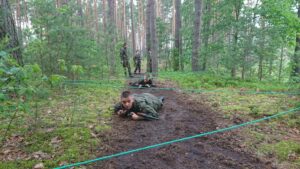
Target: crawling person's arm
(147, 113)
(118, 109)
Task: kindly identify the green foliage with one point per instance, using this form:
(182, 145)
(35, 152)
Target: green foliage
(68, 117)
(57, 41)
(283, 149)
(76, 71)
(19, 81)
(56, 80)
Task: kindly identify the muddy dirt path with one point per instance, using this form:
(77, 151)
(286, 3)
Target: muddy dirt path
(180, 117)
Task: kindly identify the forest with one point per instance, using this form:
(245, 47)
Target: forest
(217, 63)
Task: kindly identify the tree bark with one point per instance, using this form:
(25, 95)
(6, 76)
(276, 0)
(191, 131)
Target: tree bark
(124, 20)
(139, 25)
(206, 28)
(152, 62)
(261, 55)
(196, 35)
(154, 41)
(173, 20)
(296, 58)
(104, 15)
(111, 34)
(80, 12)
(88, 8)
(237, 10)
(178, 60)
(280, 64)
(96, 19)
(8, 28)
(132, 28)
(148, 40)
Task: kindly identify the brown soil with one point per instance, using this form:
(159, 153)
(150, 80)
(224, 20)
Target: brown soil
(180, 117)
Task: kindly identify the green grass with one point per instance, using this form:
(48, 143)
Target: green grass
(212, 81)
(283, 150)
(69, 115)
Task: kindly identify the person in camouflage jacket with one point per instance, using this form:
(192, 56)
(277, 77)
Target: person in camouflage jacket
(143, 106)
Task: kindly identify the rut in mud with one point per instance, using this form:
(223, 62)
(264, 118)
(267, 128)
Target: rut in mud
(180, 117)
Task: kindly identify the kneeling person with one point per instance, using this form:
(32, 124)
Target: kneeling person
(139, 106)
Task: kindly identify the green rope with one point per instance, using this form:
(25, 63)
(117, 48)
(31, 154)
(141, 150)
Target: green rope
(218, 91)
(178, 140)
(117, 85)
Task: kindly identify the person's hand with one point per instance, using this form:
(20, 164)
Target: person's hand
(136, 116)
(121, 112)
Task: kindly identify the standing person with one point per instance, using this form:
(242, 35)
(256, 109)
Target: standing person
(125, 60)
(137, 60)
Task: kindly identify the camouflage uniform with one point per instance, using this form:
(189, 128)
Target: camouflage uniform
(137, 61)
(143, 103)
(142, 83)
(125, 61)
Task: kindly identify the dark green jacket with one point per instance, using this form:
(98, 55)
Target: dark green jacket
(143, 103)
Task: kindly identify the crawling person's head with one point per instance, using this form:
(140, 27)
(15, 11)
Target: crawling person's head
(146, 77)
(127, 100)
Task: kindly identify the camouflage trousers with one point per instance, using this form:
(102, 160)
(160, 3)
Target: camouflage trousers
(126, 65)
(137, 67)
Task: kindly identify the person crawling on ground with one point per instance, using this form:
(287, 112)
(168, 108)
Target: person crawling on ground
(143, 106)
(145, 82)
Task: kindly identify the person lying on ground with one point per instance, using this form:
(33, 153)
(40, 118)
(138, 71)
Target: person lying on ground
(143, 106)
(145, 82)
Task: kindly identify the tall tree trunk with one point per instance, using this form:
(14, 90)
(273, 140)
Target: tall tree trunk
(148, 39)
(139, 25)
(96, 21)
(19, 24)
(152, 62)
(206, 33)
(124, 20)
(178, 61)
(296, 58)
(270, 66)
(158, 8)
(80, 12)
(249, 41)
(154, 41)
(25, 11)
(8, 28)
(116, 2)
(87, 13)
(173, 20)
(144, 37)
(280, 64)
(261, 55)
(132, 28)
(196, 35)
(237, 9)
(104, 15)
(111, 34)
(233, 66)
